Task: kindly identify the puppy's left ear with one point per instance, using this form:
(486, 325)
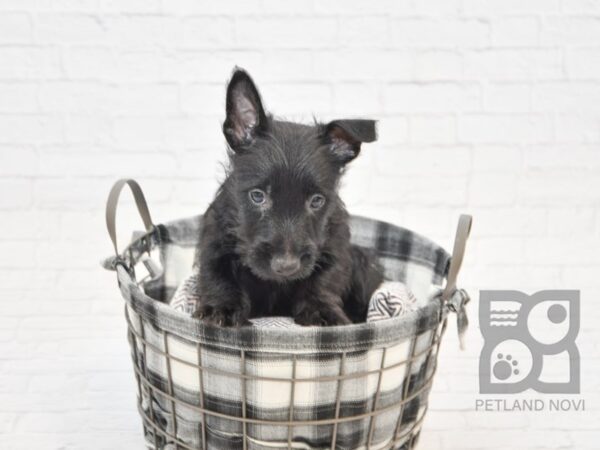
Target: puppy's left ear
(344, 137)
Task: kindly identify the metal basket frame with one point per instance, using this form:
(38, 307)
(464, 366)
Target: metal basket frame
(160, 435)
(143, 380)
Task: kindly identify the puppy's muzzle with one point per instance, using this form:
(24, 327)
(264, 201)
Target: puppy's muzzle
(285, 265)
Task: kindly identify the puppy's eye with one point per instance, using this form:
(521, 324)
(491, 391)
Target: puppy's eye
(257, 196)
(317, 201)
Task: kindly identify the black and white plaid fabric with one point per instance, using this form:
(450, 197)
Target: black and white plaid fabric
(247, 372)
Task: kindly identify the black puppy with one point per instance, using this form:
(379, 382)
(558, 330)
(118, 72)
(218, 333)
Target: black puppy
(276, 240)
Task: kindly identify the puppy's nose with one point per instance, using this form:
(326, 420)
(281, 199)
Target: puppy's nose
(285, 265)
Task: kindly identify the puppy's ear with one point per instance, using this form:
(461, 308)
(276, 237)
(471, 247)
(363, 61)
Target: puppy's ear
(344, 137)
(246, 117)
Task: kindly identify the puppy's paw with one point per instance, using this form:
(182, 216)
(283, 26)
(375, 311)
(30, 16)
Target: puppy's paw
(230, 316)
(309, 319)
(320, 318)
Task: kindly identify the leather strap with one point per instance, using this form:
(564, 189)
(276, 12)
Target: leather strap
(111, 208)
(462, 234)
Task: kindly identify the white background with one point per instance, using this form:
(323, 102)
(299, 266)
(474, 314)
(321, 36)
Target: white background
(486, 107)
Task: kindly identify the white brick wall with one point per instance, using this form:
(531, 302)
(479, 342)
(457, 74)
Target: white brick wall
(486, 107)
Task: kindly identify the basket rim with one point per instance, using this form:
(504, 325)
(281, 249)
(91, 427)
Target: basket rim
(354, 337)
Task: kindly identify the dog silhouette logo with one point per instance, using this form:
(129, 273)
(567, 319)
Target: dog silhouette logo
(529, 342)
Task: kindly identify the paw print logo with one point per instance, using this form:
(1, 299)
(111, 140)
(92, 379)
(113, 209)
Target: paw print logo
(529, 339)
(505, 367)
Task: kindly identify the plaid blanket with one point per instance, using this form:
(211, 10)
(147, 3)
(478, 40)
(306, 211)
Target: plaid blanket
(348, 381)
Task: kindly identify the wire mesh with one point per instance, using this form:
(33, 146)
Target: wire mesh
(163, 437)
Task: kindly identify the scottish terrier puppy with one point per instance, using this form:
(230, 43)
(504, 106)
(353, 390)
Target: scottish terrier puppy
(276, 241)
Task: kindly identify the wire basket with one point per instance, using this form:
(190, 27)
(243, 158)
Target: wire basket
(362, 386)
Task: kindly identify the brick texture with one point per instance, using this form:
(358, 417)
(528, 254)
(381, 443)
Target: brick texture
(486, 107)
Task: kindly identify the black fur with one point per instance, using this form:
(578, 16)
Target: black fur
(276, 240)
